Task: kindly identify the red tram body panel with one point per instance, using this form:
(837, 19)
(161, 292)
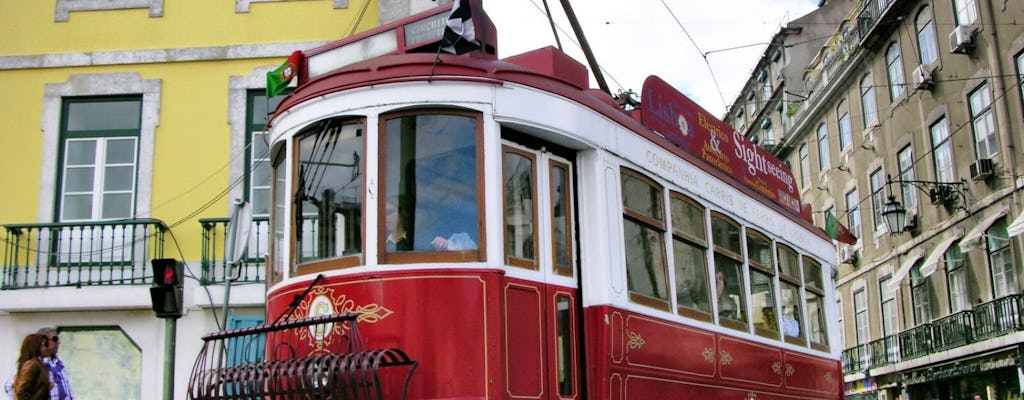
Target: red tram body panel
(560, 281)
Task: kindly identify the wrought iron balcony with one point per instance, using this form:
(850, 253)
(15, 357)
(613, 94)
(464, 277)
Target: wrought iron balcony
(998, 317)
(214, 266)
(80, 253)
(952, 331)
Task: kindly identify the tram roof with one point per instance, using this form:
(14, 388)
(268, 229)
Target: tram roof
(547, 69)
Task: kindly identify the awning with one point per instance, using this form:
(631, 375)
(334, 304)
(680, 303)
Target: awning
(977, 234)
(908, 263)
(932, 262)
(1017, 226)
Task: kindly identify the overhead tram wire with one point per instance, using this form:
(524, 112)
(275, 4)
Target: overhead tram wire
(702, 54)
(551, 20)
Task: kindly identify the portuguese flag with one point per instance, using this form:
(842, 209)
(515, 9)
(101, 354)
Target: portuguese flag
(278, 79)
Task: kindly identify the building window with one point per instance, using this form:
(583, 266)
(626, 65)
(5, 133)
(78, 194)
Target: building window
(520, 208)
(1020, 76)
(276, 262)
(877, 199)
(83, 348)
(966, 11)
(689, 250)
(956, 278)
(643, 221)
(845, 126)
(751, 106)
(730, 288)
(99, 158)
(926, 43)
(805, 166)
(867, 101)
(983, 121)
(329, 191)
(860, 317)
(905, 158)
(853, 212)
(921, 293)
(889, 319)
(894, 68)
(942, 151)
(258, 157)
(431, 187)
(839, 322)
(823, 152)
(1000, 260)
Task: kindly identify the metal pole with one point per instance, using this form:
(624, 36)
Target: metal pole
(228, 274)
(170, 333)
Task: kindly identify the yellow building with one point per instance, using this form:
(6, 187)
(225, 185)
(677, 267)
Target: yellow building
(130, 129)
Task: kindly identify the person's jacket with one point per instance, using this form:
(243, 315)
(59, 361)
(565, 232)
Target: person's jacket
(32, 381)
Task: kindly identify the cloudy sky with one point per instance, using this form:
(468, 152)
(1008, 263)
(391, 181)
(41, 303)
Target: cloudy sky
(636, 38)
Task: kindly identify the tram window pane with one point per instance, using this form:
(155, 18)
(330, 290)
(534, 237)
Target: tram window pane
(561, 214)
(762, 298)
(645, 263)
(791, 324)
(816, 318)
(691, 276)
(330, 189)
(726, 234)
(641, 197)
(759, 250)
(687, 218)
(520, 218)
(566, 339)
(431, 181)
(812, 273)
(789, 263)
(729, 288)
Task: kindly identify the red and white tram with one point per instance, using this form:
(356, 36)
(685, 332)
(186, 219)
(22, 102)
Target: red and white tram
(522, 236)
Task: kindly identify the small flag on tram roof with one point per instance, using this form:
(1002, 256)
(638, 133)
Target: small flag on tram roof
(459, 34)
(837, 231)
(278, 79)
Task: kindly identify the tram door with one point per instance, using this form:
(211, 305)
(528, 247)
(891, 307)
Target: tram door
(541, 298)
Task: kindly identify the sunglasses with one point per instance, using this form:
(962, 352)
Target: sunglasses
(55, 339)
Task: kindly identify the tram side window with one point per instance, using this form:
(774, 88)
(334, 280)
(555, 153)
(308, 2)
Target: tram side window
(561, 215)
(689, 249)
(329, 190)
(762, 285)
(729, 285)
(815, 304)
(430, 196)
(644, 230)
(520, 205)
(789, 281)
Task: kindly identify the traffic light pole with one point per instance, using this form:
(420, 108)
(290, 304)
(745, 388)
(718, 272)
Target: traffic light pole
(170, 334)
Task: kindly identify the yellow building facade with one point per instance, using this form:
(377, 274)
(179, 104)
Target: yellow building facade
(131, 128)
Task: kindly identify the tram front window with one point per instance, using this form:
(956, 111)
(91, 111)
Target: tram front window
(329, 189)
(430, 198)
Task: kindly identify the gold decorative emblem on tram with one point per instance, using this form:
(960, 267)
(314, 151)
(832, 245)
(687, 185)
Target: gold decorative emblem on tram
(726, 358)
(323, 301)
(777, 368)
(635, 341)
(709, 355)
(829, 378)
(751, 396)
(790, 370)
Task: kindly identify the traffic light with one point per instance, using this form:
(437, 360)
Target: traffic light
(166, 293)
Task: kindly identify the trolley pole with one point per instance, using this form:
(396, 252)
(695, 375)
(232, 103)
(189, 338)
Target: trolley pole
(170, 332)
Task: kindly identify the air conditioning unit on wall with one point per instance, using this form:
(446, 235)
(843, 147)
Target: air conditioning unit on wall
(961, 39)
(982, 169)
(848, 255)
(923, 78)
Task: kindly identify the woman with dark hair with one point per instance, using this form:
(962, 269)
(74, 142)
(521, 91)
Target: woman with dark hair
(32, 381)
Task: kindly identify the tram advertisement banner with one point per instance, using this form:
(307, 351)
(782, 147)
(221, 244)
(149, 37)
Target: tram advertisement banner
(687, 125)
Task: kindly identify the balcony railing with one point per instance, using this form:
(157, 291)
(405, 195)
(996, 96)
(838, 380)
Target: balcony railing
(214, 266)
(998, 317)
(80, 253)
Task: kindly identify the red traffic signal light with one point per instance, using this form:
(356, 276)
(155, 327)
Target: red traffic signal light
(166, 293)
(168, 272)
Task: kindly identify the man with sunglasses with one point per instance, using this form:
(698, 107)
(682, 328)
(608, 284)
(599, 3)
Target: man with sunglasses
(61, 389)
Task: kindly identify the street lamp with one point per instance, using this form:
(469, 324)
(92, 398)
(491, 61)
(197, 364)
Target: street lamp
(950, 194)
(895, 215)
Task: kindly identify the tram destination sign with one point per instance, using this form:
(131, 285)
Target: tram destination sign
(693, 129)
